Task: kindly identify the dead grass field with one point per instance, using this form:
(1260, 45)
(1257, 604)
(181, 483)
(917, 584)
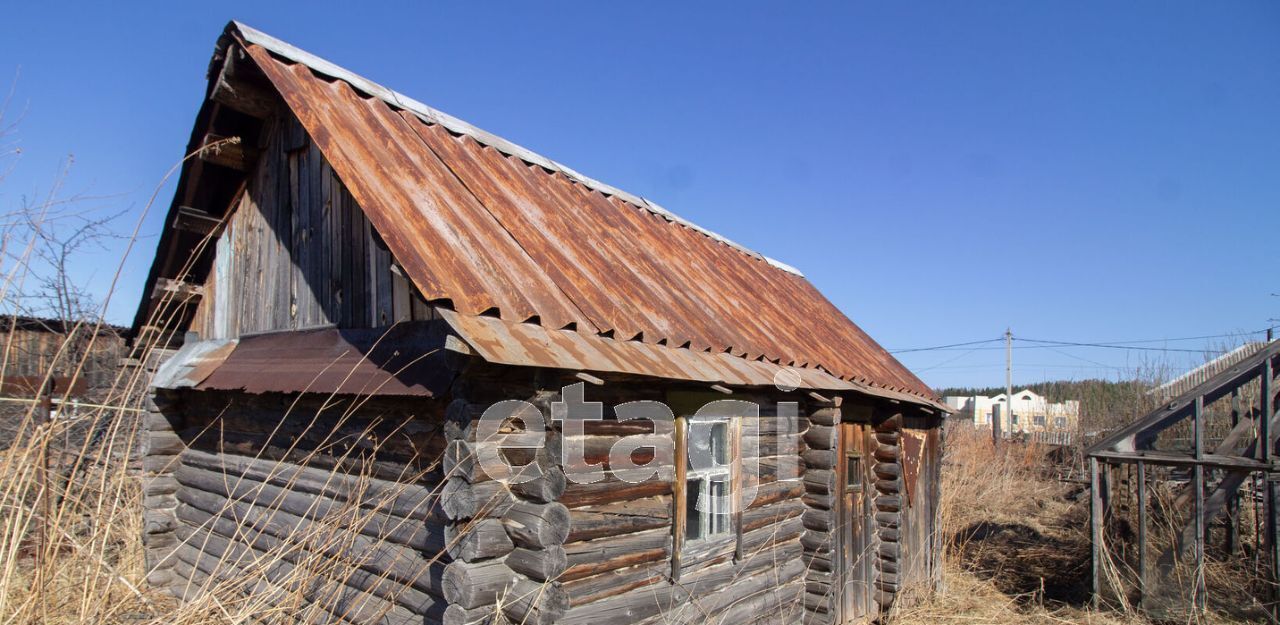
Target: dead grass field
(1019, 548)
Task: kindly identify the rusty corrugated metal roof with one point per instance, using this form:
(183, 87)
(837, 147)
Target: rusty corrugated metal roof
(488, 227)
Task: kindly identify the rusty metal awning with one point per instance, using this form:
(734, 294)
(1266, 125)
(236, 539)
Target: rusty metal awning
(406, 360)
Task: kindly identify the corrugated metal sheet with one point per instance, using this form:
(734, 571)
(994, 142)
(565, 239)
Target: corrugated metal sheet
(502, 230)
(1197, 376)
(193, 363)
(407, 360)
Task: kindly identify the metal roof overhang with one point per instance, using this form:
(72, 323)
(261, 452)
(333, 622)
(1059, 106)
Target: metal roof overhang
(532, 345)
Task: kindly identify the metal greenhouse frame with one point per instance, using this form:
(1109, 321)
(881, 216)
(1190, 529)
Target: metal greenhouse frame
(1200, 474)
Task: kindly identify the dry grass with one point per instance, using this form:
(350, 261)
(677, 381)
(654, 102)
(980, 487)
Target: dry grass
(1018, 543)
(969, 598)
(72, 540)
(72, 525)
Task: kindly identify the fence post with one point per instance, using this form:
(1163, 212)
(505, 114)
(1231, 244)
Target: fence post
(1142, 533)
(1269, 487)
(1095, 525)
(44, 413)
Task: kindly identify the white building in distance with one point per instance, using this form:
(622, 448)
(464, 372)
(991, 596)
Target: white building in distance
(1031, 412)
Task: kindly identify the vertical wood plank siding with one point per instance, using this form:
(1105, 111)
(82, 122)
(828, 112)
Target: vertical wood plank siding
(32, 348)
(298, 252)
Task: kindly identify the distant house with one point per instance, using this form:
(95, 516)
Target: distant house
(1030, 412)
(76, 363)
(75, 360)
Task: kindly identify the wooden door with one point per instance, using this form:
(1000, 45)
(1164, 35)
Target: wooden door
(853, 529)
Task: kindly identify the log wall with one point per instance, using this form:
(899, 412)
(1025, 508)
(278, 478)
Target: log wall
(517, 551)
(159, 488)
(333, 503)
(376, 510)
(591, 552)
(820, 499)
(621, 544)
(890, 505)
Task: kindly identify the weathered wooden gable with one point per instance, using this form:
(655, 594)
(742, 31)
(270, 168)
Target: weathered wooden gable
(298, 252)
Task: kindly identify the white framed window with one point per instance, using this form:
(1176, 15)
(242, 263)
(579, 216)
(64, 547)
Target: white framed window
(708, 484)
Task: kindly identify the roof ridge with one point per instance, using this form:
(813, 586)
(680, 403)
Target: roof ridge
(453, 124)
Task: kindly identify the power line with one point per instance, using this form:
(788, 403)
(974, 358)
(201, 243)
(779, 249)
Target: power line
(1024, 347)
(1185, 338)
(941, 347)
(1129, 345)
(1034, 366)
(1080, 358)
(946, 362)
(1123, 347)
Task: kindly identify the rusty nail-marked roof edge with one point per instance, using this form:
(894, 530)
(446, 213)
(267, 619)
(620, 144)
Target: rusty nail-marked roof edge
(431, 115)
(532, 345)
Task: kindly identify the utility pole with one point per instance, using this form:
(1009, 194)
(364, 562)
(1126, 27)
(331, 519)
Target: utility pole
(1008, 375)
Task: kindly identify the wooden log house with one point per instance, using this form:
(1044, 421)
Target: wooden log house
(355, 284)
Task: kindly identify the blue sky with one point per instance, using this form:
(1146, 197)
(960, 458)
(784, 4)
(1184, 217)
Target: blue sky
(1078, 171)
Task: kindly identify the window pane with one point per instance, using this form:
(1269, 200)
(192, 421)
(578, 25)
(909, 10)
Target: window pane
(708, 483)
(853, 472)
(693, 518)
(708, 443)
(699, 445)
(719, 512)
(720, 443)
